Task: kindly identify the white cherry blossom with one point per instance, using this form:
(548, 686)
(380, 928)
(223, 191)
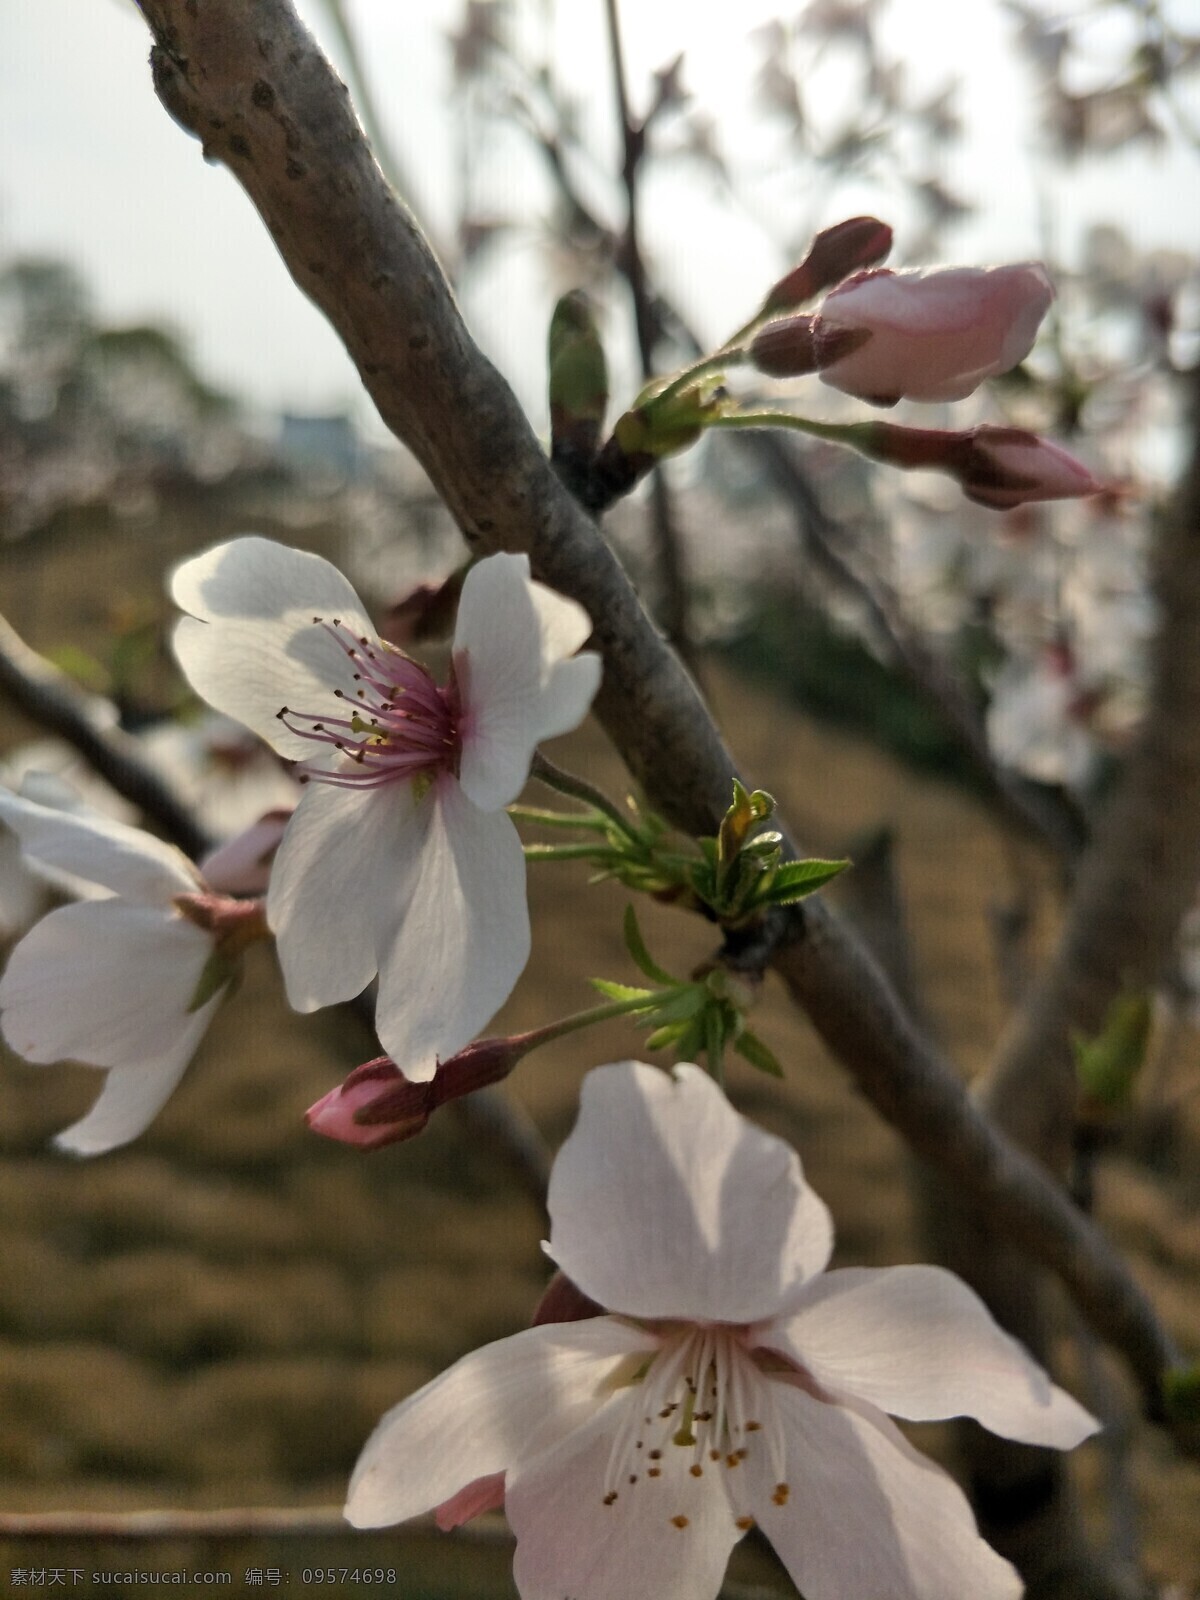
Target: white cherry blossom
(110, 980)
(400, 860)
(733, 1382)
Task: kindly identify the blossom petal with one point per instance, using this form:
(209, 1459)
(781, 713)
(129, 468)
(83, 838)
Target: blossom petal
(133, 1096)
(250, 645)
(916, 1341)
(567, 696)
(866, 1514)
(346, 862)
(664, 1202)
(450, 956)
(480, 1416)
(102, 982)
(85, 845)
(510, 638)
(668, 1536)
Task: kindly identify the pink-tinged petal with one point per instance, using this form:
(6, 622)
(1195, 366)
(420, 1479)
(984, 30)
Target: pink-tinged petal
(917, 1342)
(250, 646)
(511, 648)
(242, 865)
(864, 1514)
(451, 954)
(133, 1096)
(484, 1413)
(345, 866)
(113, 855)
(664, 1202)
(485, 1494)
(102, 982)
(668, 1537)
(933, 335)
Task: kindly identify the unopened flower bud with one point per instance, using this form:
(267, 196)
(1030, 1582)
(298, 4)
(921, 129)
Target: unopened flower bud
(791, 347)
(836, 252)
(1010, 467)
(426, 612)
(933, 335)
(998, 467)
(564, 1302)
(378, 1105)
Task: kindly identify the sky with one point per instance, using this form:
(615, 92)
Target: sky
(92, 169)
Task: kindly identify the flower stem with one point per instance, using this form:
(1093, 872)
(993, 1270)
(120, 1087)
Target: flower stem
(711, 366)
(556, 819)
(579, 789)
(586, 1019)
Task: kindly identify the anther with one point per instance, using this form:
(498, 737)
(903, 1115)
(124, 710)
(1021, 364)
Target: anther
(780, 1497)
(610, 1497)
(679, 1522)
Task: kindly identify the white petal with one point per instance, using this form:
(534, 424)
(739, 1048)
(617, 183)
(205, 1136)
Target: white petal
(570, 1543)
(664, 1202)
(568, 693)
(866, 1515)
(102, 982)
(133, 1096)
(84, 845)
(917, 1342)
(347, 860)
(564, 625)
(253, 646)
(509, 648)
(449, 957)
(481, 1415)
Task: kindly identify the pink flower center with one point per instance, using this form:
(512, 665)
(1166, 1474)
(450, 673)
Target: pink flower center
(399, 723)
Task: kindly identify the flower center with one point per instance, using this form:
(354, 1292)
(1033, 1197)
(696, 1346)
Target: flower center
(702, 1394)
(399, 723)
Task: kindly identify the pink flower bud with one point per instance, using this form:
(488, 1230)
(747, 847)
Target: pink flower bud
(933, 335)
(563, 1301)
(836, 252)
(1008, 467)
(790, 347)
(378, 1105)
(242, 865)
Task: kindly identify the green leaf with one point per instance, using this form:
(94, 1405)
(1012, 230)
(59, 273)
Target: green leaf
(636, 946)
(714, 1041)
(796, 879)
(1107, 1065)
(1181, 1393)
(620, 991)
(757, 1054)
(682, 1000)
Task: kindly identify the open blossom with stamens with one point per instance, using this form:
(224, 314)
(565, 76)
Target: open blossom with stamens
(127, 979)
(399, 860)
(732, 1382)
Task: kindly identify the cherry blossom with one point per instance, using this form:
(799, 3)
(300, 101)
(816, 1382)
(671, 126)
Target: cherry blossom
(932, 335)
(399, 860)
(733, 1382)
(113, 980)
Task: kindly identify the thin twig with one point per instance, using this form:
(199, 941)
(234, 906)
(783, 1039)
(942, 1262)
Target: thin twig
(88, 723)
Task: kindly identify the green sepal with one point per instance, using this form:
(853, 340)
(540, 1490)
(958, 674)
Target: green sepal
(636, 946)
(219, 970)
(662, 1037)
(1107, 1065)
(757, 1054)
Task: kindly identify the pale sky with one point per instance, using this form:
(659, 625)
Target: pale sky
(92, 169)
